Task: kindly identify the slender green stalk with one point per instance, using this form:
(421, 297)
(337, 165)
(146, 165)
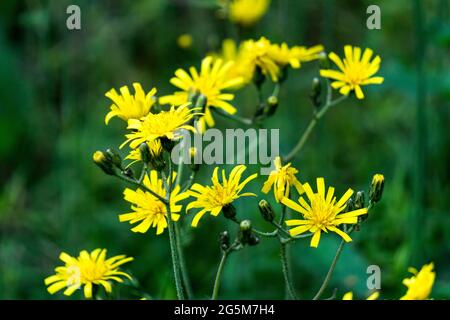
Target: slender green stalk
(234, 117)
(136, 183)
(286, 272)
(172, 238)
(312, 124)
(215, 293)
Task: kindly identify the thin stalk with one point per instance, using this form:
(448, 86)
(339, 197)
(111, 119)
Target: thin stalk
(312, 124)
(286, 272)
(215, 293)
(234, 117)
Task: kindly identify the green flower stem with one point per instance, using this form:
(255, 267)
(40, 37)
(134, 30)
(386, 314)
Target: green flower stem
(296, 238)
(172, 238)
(189, 182)
(287, 272)
(234, 117)
(312, 124)
(215, 293)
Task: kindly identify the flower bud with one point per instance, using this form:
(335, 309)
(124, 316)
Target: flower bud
(266, 210)
(324, 63)
(245, 232)
(167, 144)
(316, 89)
(103, 162)
(376, 188)
(272, 105)
(229, 211)
(114, 157)
(253, 240)
(145, 152)
(128, 172)
(350, 205)
(201, 102)
(224, 240)
(359, 200)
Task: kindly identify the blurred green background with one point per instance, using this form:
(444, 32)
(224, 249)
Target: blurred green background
(52, 106)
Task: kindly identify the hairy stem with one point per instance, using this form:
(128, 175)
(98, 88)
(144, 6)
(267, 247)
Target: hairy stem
(286, 272)
(219, 274)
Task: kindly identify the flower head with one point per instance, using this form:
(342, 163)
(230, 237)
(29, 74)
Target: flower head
(247, 12)
(282, 179)
(154, 148)
(160, 125)
(87, 270)
(220, 194)
(258, 54)
(354, 71)
(283, 55)
(127, 106)
(148, 210)
(420, 285)
(212, 80)
(349, 296)
(322, 213)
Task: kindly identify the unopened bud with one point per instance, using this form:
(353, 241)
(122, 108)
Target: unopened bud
(103, 162)
(360, 200)
(114, 157)
(201, 102)
(245, 231)
(376, 188)
(224, 240)
(145, 152)
(316, 89)
(266, 210)
(253, 240)
(350, 205)
(272, 105)
(324, 63)
(229, 211)
(167, 143)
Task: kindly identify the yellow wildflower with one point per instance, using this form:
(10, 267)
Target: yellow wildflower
(210, 82)
(149, 211)
(258, 54)
(87, 270)
(420, 285)
(155, 151)
(164, 124)
(220, 194)
(282, 179)
(247, 12)
(283, 55)
(127, 106)
(355, 71)
(323, 213)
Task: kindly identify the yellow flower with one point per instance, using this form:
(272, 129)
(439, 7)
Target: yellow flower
(355, 71)
(282, 179)
(149, 211)
(247, 12)
(323, 213)
(210, 82)
(164, 124)
(420, 285)
(87, 270)
(258, 53)
(283, 55)
(184, 41)
(349, 296)
(155, 151)
(213, 198)
(126, 106)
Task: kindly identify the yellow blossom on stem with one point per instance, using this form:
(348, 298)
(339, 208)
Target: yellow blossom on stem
(149, 211)
(154, 147)
(282, 179)
(420, 284)
(247, 12)
(283, 55)
(88, 270)
(220, 194)
(212, 80)
(127, 106)
(164, 124)
(258, 54)
(354, 70)
(322, 213)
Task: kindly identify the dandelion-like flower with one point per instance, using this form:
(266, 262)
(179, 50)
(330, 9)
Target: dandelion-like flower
(247, 12)
(282, 179)
(210, 82)
(354, 71)
(148, 210)
(322, 213)
(154, 147)
(88, 270)
(349, 296)
(258, 54)
(127, 106)
(220, 194)
(420, 285)
(283, 55)
(165, 124)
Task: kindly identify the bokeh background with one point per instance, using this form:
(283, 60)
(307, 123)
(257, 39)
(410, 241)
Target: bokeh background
(52, 106)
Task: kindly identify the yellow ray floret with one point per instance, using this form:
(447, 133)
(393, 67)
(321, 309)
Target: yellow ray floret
(282, 179)
(127, 106)
(420, 284)
(148, 210)
(214, 197)
(354, 72)
(88, 270)
(322, 213)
